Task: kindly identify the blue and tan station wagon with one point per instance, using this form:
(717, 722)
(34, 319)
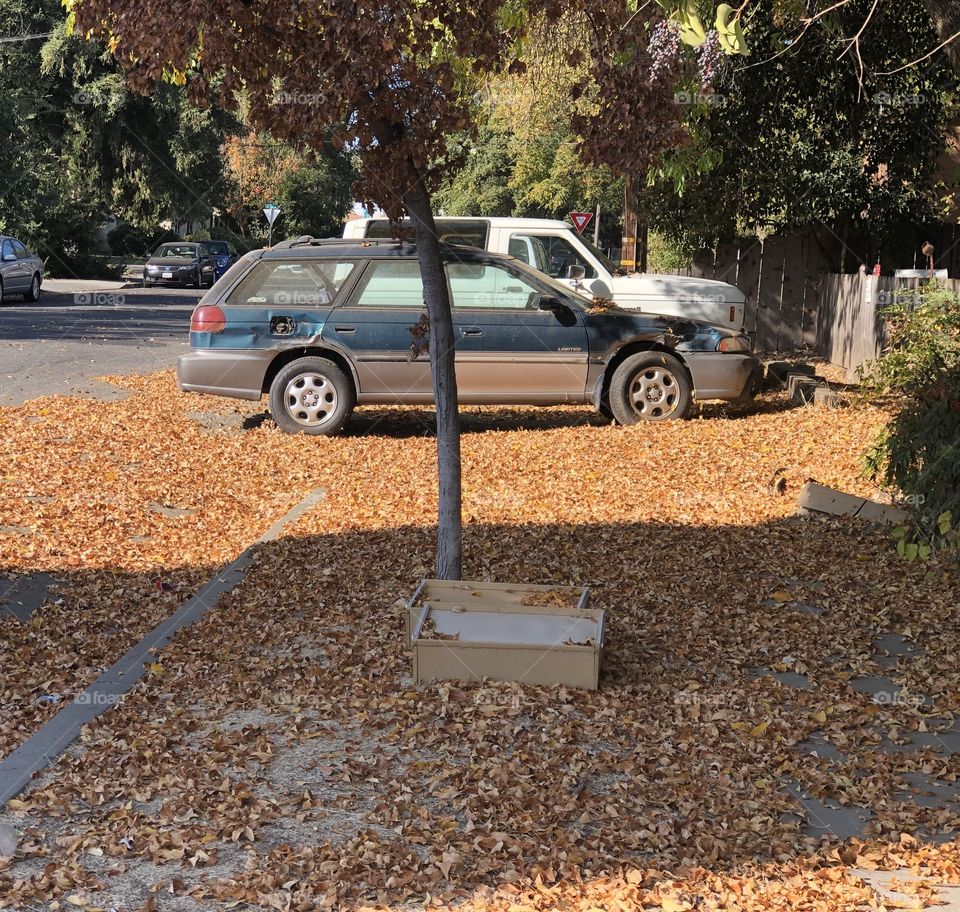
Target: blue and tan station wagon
(323, 325)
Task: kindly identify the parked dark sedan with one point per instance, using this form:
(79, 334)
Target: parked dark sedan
(324, 325)
(180, 263)
(224, 255)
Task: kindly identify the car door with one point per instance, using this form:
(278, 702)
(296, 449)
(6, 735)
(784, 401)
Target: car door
(508, 349)
(11, 268)
(374, 323)
(28, 262)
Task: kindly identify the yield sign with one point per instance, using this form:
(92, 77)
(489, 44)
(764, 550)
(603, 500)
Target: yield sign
(271, 211)
(580, 220)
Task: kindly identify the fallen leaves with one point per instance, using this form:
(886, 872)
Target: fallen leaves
(277, 755)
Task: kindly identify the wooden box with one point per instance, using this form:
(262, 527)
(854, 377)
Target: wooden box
(505, 631)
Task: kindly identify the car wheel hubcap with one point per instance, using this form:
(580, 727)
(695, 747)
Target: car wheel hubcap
(654, 393)
(311, 399)
(35, 287)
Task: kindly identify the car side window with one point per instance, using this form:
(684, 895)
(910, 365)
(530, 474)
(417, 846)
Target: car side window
(481, 286)
(291, 282)
(6, 250)
(389, 283)
(20, 250)
(559, 255)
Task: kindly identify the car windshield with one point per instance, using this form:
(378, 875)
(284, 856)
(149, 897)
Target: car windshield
(181, 251)
(564, 292)
(608, 264)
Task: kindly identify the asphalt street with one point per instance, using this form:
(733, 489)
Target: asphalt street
(74, 334)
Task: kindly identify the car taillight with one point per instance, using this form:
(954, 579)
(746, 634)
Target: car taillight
(208, 319)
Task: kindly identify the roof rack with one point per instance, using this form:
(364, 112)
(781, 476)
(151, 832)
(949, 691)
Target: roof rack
(305, 240)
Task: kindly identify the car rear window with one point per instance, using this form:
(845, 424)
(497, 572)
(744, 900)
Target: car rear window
(470, 232)
(304, 283)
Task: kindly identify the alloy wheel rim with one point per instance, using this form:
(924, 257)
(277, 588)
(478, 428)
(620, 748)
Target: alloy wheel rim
(654, 393)
(310, 399)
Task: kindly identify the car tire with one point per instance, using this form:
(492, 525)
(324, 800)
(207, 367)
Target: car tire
(33, 295)
(311, 396)
(148, 284)
(650, 386)
(1, 291)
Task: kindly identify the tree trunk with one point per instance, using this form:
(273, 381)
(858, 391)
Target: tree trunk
(945, 17)
(442, 349)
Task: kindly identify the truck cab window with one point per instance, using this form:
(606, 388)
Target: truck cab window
(557, 255)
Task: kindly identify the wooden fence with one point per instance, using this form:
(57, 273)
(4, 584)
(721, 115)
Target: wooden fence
(850, 324)
(779, 277)
(793, 301)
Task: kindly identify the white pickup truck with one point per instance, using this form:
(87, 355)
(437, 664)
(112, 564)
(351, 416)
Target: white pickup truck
(555, 248)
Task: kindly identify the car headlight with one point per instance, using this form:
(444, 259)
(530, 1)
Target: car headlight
(733, 344)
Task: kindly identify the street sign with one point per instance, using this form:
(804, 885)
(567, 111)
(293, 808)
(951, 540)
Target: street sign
(580, 220)
(271, 211)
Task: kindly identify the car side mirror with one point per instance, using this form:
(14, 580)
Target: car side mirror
(549, 302)
(576, 273)
(9, 257)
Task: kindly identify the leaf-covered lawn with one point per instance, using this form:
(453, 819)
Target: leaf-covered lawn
(279, 755)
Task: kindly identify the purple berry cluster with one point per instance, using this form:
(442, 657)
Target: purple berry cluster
(664, 48)
(709, 56)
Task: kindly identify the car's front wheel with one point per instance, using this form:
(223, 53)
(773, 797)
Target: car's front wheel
(650, 386)
(311, 396)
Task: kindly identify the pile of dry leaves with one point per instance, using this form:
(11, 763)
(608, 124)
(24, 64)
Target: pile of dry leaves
(279, 755)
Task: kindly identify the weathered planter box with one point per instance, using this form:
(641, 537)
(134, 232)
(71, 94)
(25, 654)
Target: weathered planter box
(467, 631)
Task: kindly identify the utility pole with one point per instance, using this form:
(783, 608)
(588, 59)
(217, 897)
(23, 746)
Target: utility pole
(596, 227)
(628, 248)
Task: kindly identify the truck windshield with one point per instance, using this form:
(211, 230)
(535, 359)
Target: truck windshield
(608, 264)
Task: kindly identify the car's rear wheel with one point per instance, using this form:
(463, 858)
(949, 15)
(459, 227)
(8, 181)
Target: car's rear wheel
(1, 291)
(650, 386)
(311, 396)
(34, 293)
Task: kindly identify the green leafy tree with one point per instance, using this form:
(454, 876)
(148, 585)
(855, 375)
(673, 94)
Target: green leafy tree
(43, 199)
(315, 198)
(482, 186)
(88, 147)
(802, 138)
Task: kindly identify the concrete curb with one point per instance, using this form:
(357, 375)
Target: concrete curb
(58, 733)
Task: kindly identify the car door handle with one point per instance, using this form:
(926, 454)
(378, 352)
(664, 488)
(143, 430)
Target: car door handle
(471, 331)
(345, 329)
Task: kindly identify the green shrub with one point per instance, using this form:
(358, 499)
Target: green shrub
(918, 452)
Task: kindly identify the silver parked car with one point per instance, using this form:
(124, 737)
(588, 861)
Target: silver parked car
(21, 271)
